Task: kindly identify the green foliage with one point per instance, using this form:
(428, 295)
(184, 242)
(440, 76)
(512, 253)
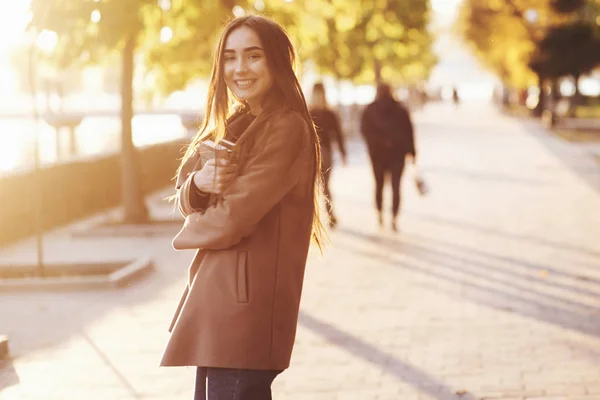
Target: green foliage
(346, 39)
(361, 35)
(343, 38)
(80, 39)
(503, 37)
(572, 49)
(567, 6)
(190, 52)
(559, 41)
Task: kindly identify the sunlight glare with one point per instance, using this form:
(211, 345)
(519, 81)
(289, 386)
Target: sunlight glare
(238, 11)
(445, 6)
(14, 18)
(166, 34)
(10, 157)
(47, 41)
(96, 16)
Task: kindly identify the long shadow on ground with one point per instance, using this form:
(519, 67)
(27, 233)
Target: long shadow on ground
(403, 371)
(507, 284)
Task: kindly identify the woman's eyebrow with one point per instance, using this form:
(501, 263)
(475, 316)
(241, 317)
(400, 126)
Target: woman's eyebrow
(251, 48)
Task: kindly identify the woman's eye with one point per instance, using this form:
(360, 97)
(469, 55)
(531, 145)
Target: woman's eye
(229, 58)
(254, 56)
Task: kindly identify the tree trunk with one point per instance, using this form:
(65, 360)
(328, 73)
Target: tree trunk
(541, 105)
(135, 210)
(377, 69)
(576, 78)
(576, 100)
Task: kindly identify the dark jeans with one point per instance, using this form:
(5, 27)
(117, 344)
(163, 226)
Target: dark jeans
(233, 384)
(382, 167)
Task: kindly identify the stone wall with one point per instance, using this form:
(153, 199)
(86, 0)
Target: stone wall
(74, 190)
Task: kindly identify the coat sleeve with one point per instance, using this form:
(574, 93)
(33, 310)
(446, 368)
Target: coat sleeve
(270, 172)
(189, 198)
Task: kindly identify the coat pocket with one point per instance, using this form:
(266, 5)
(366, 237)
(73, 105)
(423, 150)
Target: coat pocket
(242, 277)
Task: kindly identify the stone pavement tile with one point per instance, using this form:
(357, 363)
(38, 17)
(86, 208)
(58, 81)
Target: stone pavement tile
(500, 396)
(572, 389)
(547, 398)
(593, 387)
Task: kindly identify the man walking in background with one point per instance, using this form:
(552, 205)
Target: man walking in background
(388, 131)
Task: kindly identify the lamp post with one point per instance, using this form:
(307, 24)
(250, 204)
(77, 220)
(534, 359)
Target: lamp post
(36, 159)
(46, 41)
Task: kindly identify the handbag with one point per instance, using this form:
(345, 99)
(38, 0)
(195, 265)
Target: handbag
(419, 181)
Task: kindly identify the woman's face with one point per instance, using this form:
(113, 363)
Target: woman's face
(245, 67)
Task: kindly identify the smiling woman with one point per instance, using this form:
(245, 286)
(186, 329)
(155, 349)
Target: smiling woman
(250, 217)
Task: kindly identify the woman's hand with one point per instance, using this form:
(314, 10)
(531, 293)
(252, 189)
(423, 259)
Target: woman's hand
(215, 176)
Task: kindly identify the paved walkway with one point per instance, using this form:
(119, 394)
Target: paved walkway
(491, 289)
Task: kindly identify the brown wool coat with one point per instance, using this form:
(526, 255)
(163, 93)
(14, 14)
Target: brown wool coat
(240, 307)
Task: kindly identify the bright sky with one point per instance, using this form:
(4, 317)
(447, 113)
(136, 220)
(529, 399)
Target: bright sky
(13, 19)
(445, 6)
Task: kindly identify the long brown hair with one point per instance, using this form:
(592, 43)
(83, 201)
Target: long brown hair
(221, 104)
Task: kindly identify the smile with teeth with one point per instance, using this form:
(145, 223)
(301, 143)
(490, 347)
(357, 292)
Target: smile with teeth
(242, 83)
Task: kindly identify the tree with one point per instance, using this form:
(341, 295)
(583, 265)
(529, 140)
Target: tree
(567, 6)
(504, 35)
(189, 54)
(376, 40)
(571, 49)
(89, 31)
(196, 25)
(358, 41)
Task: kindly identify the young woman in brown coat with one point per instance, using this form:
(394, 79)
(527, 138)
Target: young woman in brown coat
(250, 220)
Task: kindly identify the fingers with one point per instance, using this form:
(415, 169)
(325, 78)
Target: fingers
(220, 164)
(215, 176)
(224, 172)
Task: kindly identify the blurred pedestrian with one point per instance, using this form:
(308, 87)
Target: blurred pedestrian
(250, 219)
(455, 96)
(388, 130)
(328, 128)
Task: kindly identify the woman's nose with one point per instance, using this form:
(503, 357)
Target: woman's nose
(241, 65)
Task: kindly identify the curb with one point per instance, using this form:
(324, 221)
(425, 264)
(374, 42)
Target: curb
(122, 277)
(3, 347)
(157, 227)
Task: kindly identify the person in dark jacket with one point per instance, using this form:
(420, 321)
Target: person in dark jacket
(328, 128)
(388, 131)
